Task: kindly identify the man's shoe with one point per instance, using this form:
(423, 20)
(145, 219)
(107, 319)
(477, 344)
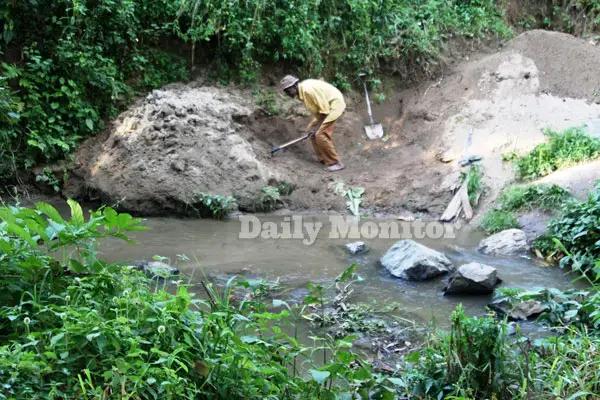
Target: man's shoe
(336, 167)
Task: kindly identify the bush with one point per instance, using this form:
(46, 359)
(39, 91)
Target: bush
(75, 327)
(578, 230)
(562, 150)
(82, 67)
(333, 38)
(548, 197)
(213, 206)
(498, 220)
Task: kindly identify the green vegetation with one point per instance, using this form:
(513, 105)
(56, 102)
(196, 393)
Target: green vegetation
(213, 206)
(66, 66)
(285, 188)
(580, 17)
(578, 232)
(547, 197)
(331, 38)
(474, 185)
(267, 100)
(267, 200)
(562, 150)
(74, 326)
(498, 220)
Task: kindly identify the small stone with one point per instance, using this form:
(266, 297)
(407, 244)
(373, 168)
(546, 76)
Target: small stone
(178, 165)
(356, 247)
(406, 217)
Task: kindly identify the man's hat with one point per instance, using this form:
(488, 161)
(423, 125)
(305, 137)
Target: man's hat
(288, 81)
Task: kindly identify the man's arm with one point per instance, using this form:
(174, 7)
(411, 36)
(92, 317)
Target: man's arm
(318, 123)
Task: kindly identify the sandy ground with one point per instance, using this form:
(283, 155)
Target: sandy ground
(186, 139)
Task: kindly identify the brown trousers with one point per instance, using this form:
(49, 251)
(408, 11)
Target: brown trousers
(323, 145)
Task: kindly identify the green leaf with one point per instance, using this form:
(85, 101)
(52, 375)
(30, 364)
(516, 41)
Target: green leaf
(90, 124)
(319, 376)
(76, 212)
(76, 266)
(412, 357)
(579, 395)
(54, 106)
(55, 339)
(396, 381)
(347, 274)
(51, 212)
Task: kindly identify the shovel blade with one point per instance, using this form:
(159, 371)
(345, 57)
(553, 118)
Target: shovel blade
(374, 131)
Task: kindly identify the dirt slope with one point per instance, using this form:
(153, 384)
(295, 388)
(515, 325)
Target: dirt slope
(186, 139)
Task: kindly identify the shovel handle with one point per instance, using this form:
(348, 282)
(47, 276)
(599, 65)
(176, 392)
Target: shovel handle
(368, 102)
(277, 148)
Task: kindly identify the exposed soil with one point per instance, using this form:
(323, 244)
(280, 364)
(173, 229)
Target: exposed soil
(190, 138)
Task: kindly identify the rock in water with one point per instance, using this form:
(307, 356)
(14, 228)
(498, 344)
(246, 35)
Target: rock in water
(508, 243)
(154, 269)
(473, 278)
(356, 247)
(410, 260)
(521, 311)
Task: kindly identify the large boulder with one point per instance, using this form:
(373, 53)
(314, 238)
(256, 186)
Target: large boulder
(520, 311)
(410, 260)
(473, 278)
(507, 243)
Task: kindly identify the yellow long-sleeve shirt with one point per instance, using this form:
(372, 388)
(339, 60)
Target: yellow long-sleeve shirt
(320, 97)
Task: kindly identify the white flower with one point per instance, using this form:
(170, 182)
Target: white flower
(26, 321)
(161, 329)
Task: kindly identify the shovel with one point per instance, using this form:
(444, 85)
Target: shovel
(373, 131)
(277, 148)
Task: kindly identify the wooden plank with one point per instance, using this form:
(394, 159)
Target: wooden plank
(466, 204)
(453, 208)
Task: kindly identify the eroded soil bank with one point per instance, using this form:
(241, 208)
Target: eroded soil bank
(185, 139)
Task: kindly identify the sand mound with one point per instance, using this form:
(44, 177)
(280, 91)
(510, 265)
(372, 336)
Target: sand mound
(173, 145)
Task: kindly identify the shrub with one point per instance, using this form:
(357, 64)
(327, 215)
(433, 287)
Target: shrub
(562, 150)
(578, 230)
(474, 185)
(213, 206)
(498, 220)
(86, 329)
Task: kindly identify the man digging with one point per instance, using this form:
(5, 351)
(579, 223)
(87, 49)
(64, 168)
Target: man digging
(327, 104)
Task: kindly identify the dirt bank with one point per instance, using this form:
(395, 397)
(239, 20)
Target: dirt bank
(186, 139)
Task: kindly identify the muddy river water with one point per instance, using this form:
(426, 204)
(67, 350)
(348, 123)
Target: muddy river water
(214, 247)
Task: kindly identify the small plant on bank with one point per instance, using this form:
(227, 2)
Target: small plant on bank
(267, 100)
(49, 179)
(498, 220)
(285, 188)
(267, 200)
(475, 184)
(562, 150)
(214, 206)
(547, 197)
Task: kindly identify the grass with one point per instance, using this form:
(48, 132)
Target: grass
(563, 149)
(547, 197)
(474, 185)
(498, 220)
